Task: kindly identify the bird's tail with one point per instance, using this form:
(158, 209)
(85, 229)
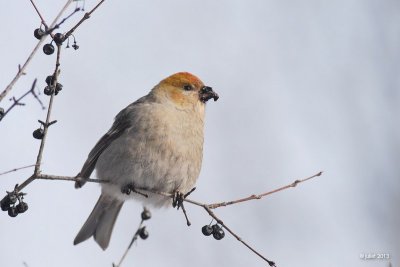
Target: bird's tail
(100, 222)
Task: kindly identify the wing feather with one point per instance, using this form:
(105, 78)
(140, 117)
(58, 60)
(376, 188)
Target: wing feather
(120, 125)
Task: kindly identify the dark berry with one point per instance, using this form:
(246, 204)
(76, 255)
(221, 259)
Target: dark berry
(22, 207)
(12, 199)
(49, 79)
(4, 206)
(12, 212)
(143, 233)
(59, 87)
(5, 203)
(146, 214)
(48, 49)
(218, 232)
(48, 90)
(75, 46)
(216, 227)
(38, 33)
(59, 38)
(38, 133)
(207, 230)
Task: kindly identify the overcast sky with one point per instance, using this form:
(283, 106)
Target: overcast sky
(304, 87)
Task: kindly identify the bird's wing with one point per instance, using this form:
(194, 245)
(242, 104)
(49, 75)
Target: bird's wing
(120, 125)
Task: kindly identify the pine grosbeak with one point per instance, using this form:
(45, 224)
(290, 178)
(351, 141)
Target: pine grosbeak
(155, 143)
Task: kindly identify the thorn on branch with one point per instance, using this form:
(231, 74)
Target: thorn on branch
(20, 70)
(39, 133)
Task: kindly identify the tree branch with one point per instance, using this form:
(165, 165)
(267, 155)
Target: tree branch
(46, 126)
(32, 54)
(40, 15)
(207, 207)
(252, 197)
(18, 103)
(85, 17)
(17, 169)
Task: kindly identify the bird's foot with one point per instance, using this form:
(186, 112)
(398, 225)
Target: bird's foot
(177, 202)
(129, 188)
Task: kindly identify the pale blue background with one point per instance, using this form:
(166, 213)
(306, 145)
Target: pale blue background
(305, 86)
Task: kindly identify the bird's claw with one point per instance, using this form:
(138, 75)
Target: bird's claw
(177, 202)
(129, 188)
(177, 199)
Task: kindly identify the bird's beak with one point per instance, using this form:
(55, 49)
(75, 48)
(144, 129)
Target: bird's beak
(206, 93)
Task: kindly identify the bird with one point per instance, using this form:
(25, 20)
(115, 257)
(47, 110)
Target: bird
(155, 144)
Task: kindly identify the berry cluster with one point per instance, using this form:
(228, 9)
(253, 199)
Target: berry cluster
(51, 88)
(8, 203)
(58, 39)
(215, 230)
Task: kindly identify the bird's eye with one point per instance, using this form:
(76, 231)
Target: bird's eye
(187, 87)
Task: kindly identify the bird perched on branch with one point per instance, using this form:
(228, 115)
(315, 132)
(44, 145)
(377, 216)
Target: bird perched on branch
(155, 144)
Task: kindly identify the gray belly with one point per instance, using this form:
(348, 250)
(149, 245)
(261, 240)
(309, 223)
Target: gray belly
(161, 168)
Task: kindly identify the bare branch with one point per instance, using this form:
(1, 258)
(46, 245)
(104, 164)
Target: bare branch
(212, 214)
(46, 126)
(68, 178)
(85, 17)
(50, 30)
(40, 15)
(32, 54)
(208, 207)
(17, 102)
(17, 169)
(134, 238)
(252, 197)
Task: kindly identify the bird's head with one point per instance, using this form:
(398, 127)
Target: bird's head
(185, 90)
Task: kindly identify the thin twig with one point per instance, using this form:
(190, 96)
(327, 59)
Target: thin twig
(208, 207)
(46, 126)
(85, 17)
(212, 214)
(17, 102)
(40, 15)
(68, 178)
(21, 70)
(62, 21)
(17, 169)
(252, 197)
(134, 238)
